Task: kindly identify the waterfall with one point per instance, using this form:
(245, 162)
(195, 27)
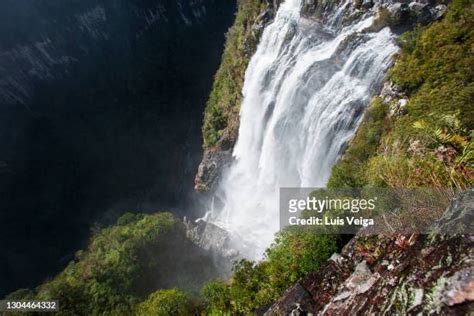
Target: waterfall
(304, 94)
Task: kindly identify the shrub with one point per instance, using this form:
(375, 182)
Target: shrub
(295, 253)
(217, 296)
(164, 303)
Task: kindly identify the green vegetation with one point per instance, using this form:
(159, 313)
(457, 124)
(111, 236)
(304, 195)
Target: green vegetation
(222, 109)
(133, 267)
(295, 253)
(126, 262)
(165, 303)
(431, 145)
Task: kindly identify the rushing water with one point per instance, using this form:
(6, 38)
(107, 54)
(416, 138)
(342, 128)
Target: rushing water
(305, 91)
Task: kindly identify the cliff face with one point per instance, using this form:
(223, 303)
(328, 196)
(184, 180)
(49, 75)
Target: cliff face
(221, 119)
(427, 274)
(100, 112)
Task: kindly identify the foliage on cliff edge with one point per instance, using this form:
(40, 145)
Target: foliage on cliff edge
(430, 143)
(222, 109)
(295, 253)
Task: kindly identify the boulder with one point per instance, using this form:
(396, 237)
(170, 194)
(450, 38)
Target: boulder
(439, 11)
(210, 237)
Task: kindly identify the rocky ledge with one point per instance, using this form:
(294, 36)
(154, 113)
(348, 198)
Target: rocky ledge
(397, 275)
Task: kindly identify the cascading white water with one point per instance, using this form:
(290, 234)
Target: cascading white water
(304, 94)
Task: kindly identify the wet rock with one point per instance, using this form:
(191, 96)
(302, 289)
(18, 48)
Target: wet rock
(399, 13)
(215, 242)
(347, 46)
(439, 11)
(357, 3)
(367, 4)
(402, 16)
(316, 9)
(210, 237)
(417, 6)
(276, 3)
(263, 19)
(210, 169)
(421, 12)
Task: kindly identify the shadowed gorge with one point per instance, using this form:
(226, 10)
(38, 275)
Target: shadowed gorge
(100, 112)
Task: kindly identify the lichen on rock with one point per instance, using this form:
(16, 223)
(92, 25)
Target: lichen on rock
(427, 277)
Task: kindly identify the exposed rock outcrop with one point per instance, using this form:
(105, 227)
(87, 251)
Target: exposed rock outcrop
(430, 274)
(210, 168)
(395, 97)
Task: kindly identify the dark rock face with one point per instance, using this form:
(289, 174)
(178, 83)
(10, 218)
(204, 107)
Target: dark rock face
(210, 169)
(396, 275)
(101, 106)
